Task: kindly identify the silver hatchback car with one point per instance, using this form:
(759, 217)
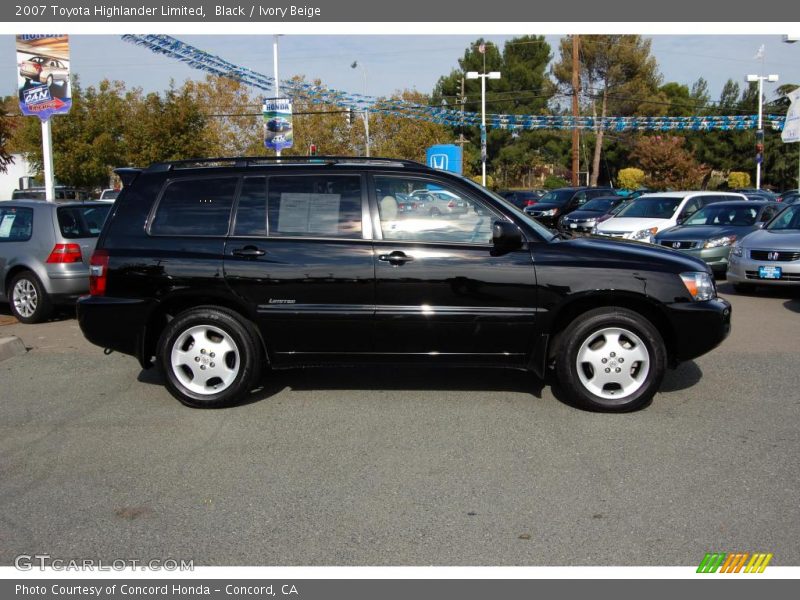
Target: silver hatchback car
(45, 250)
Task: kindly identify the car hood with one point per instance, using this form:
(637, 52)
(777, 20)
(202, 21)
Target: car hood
(546, 205)
(704, 232)
(787, 239)
(584, 214)
(633, 224)
(622, 251)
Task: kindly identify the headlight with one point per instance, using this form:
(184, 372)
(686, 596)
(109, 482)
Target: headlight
(590, 222)
(737, 250)
(720, 241)
(645, 234)
(549, 213)
(700, 285)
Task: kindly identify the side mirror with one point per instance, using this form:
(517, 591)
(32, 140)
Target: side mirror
(506, 236)
(761, 224)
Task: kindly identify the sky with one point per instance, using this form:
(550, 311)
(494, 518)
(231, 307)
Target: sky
(395, 62)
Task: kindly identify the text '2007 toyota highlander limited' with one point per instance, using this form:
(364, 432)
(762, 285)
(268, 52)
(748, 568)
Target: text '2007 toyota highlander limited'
(216, 269)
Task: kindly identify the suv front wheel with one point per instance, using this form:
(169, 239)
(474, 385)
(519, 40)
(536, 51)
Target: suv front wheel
(611, 359)
(210, 357)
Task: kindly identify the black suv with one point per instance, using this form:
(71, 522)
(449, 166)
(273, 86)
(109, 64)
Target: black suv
(557, 203)
(218, 268)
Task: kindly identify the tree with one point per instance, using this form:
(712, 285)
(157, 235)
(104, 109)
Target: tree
(616, 70)
(630, 178)
(667, 163)
(6, 130)
(524, 88)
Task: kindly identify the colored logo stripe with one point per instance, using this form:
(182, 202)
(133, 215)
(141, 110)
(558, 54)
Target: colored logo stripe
(734, 562)
(711, 562)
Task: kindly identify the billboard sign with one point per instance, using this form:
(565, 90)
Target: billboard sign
(43, 78)
(444, 157)
(278, 131)
(791, 127)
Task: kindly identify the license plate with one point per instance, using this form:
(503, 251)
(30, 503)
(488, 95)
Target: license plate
(573, 225)
(769, 272)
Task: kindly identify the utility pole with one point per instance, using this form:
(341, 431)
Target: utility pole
(760, 132)
(275, 71)
(483, 77)
(462, 100)
(576, 83)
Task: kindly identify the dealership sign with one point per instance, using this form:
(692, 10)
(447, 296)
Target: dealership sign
(278, 132)
(43, 78)
(791, 127)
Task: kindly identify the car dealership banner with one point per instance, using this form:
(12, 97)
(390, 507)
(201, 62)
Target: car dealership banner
(791, 126)
(43, 78)
(278, 132)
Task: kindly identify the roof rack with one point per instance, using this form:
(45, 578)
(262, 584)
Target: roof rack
(255, 161)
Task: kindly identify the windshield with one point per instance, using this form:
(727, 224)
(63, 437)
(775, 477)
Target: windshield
(661, 207)
(558, 196)
(540, 229)
(724, 215)
(82, 221)
(599, 205)
(788, 219)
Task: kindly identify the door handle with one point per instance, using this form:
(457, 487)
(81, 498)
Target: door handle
(248, 252)
(396, 258)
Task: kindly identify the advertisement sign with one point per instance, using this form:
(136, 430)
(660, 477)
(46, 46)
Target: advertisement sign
(791, 127)
(444, 157)
(278, 132)
(43, 75)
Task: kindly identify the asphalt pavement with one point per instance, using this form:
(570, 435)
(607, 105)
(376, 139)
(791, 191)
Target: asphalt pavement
(403, 466)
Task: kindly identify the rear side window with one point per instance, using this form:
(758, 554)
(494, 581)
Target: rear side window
(81, 221)
(16, 224)
(315, 206)
(195, 207)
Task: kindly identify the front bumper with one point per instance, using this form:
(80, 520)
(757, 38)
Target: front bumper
(716, 258)
(699, 326)
(745, 270)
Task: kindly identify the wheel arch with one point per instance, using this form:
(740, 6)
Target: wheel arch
(177, 303)
(638, 303)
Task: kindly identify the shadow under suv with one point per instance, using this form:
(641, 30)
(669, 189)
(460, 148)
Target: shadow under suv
(217, 269)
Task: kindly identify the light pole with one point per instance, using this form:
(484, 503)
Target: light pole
(275, 71)
(355, 65)
(792, 39)
(760, 133)
(483, 77)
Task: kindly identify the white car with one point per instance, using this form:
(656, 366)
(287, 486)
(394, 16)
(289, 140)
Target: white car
(649, 214)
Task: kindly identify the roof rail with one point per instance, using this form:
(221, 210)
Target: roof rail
(254, 161)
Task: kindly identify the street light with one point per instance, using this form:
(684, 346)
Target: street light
(791, 39)
(760, 132)
(355, 65)
(483, 77)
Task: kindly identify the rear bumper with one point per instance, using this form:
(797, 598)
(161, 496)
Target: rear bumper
(699, 326)
(114, 323)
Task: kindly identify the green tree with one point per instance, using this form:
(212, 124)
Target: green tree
(617, 71)
(738, 179)
(7, 127)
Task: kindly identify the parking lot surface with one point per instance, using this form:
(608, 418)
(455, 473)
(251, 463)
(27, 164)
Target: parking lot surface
(400, 466)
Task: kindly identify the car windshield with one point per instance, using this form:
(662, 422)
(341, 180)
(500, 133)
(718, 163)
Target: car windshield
(788, 219)
(599, 205)
(716, 214)
(558, 196)
(654, 207)
(82, 221)
(540, 229)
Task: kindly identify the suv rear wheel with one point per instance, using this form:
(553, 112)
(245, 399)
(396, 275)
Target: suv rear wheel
(210, 357)
(611, 359)
(28, 299)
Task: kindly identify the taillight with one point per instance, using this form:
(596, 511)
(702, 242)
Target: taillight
(451, 204)
(65, 253)
(98, 272)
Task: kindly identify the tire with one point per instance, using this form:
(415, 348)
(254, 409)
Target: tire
(28, 299)
(210, 357)
(49, 81)
(605, 338)
(743, 288)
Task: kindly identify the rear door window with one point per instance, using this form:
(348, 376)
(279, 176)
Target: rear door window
(81, 221)
(16, 224)
(195, 207)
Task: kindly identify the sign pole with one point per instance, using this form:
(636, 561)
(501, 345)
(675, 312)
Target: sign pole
(47, 156)
(275, 70)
